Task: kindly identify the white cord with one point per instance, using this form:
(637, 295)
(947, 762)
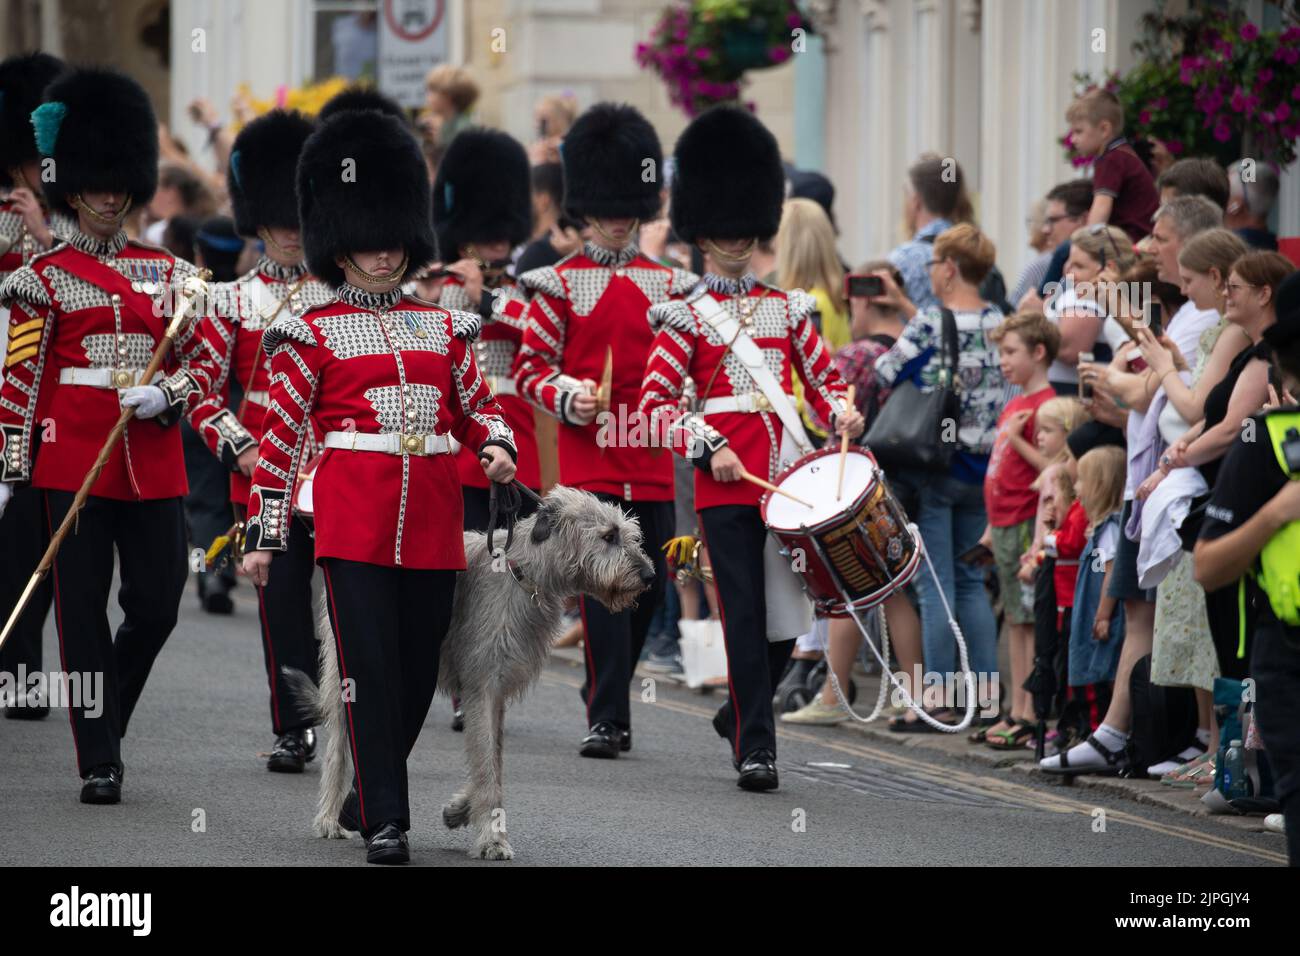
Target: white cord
(968, 678)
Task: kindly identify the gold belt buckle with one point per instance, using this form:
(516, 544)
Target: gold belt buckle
(122, 379)
(761, 403)
(413, 444)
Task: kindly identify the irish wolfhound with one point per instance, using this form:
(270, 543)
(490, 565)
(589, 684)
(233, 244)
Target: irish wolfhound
(506, 615)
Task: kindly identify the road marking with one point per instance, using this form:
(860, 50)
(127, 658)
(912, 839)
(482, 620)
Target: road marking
(1029, 797)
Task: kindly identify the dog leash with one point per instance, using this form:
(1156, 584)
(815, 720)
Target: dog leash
(504, 502)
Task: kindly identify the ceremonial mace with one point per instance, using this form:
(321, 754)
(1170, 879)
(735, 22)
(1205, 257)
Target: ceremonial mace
(193, 288)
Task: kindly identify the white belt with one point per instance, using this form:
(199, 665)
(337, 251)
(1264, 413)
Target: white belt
(502, 385)
(116, 378)
(749, 402)
(258, 398)
(390, 443)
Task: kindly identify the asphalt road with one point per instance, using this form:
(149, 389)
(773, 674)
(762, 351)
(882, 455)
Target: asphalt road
(193, 753)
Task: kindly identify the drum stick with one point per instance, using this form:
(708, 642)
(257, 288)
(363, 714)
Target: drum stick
(844, 449)
(754, 479)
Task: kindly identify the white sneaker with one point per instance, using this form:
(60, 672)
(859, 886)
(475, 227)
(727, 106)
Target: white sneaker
(815, 712)
(1275, 822)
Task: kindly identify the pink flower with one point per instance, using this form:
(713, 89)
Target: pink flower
(1144, 118)
(1290, 34)
(1175, 147)
(703, 53)
(778, 54)
(1238, 100)
(1222, 132)
(1282, 112)
(1249, 31)
(1265, 75)
(1161, 102)
(793, 20)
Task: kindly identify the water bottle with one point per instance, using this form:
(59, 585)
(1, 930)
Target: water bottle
(1235, 783)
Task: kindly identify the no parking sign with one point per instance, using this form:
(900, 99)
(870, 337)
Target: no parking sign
(412, 40)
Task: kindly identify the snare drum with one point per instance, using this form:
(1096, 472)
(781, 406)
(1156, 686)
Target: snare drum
(858, 547)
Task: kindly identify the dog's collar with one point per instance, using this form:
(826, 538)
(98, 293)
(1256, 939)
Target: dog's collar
(529, 589)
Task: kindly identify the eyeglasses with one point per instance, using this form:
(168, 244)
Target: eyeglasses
(1053, 220)
(935, 262)
(1235, 287)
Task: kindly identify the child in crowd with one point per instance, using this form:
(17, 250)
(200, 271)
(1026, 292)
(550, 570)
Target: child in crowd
(1097, 620)
(1027, 345)
(1124, 192)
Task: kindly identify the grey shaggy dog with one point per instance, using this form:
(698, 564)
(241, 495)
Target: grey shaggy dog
(501, 633)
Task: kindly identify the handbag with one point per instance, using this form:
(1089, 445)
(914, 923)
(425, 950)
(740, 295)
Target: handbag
(908, 432)
(704, 653)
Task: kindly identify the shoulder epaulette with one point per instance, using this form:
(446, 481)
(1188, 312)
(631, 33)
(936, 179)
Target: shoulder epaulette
(682, 282)
(673, 314)
(287, 328)
(25, 285)
(545, 279)
(465, 325)
(800, 304)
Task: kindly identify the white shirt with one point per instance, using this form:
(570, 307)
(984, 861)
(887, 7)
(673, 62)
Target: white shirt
(1184, 330)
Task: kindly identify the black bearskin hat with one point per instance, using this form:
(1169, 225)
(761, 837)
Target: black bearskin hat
(99, 127)
(605, 168)
(361, 98)
(483, 191)
(728, 182)
(22, 82)
(263, 161)
(362, 186)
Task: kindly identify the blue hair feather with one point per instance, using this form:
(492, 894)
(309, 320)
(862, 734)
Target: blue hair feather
(46, 120)
(234, 169)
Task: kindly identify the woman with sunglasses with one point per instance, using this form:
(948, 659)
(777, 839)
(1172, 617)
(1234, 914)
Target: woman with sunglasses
(1099, 254)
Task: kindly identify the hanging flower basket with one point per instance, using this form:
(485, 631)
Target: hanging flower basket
(1210, 83)
(703, 48)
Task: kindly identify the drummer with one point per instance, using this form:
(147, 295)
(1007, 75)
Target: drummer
(744, 424)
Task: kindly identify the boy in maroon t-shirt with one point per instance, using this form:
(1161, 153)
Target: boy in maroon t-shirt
(1123, 190)
(1027, 346)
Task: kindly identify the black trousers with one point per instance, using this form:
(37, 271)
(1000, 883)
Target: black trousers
(22, 543)
(288, 628)
(1275, 666)
(735, 536)
(207, 507)
(478, 505)
(613, 642)
(388, 628)
(149, 537)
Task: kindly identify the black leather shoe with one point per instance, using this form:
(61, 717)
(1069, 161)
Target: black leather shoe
(387, 845)
(218, 602)
(625, 740)
(758, 771)
(102, 785)
(723, 720)
(350, 812)
(289, 754)
(603, 741)
(26, 706)
(309, 743)
(458, 720)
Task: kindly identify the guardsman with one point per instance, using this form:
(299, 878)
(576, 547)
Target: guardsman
(390, 380)
(482, 208)
(582, 358)
(85, 319)
(742, 342)
(24, 231)
(263, 161)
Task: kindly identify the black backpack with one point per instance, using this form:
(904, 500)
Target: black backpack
(1164, 718)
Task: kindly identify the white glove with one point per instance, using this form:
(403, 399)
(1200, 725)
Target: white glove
(6, 492)
(147, 400)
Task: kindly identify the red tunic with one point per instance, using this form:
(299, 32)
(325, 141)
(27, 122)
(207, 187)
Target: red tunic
(373, 365)
(495, 352)
(1070, 540)
(19, 245)
(685, 346)
(241, 312)
(592, 301)
(74, 310)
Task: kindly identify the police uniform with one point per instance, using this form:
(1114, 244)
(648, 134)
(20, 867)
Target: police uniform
(22, 526)
(263, 161)
(389, 379)
(590, 306)
(85, 319)
(482, 195)
(737, 196)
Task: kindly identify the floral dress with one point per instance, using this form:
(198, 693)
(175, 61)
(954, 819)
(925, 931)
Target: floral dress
(1182, 650)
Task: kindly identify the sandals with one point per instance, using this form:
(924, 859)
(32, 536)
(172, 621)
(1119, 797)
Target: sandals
(901, 725)
(1115, 761)
(1014, 737)
(1184, 777)
(980, 733)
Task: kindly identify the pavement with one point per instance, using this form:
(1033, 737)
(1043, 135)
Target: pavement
(197, 791)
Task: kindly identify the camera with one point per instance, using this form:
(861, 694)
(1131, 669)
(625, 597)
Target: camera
(863, 287)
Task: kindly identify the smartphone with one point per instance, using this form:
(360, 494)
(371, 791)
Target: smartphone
(1085, 388)
(1155, 318)
(979, 556)
(863, 287)
(1136, 362)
